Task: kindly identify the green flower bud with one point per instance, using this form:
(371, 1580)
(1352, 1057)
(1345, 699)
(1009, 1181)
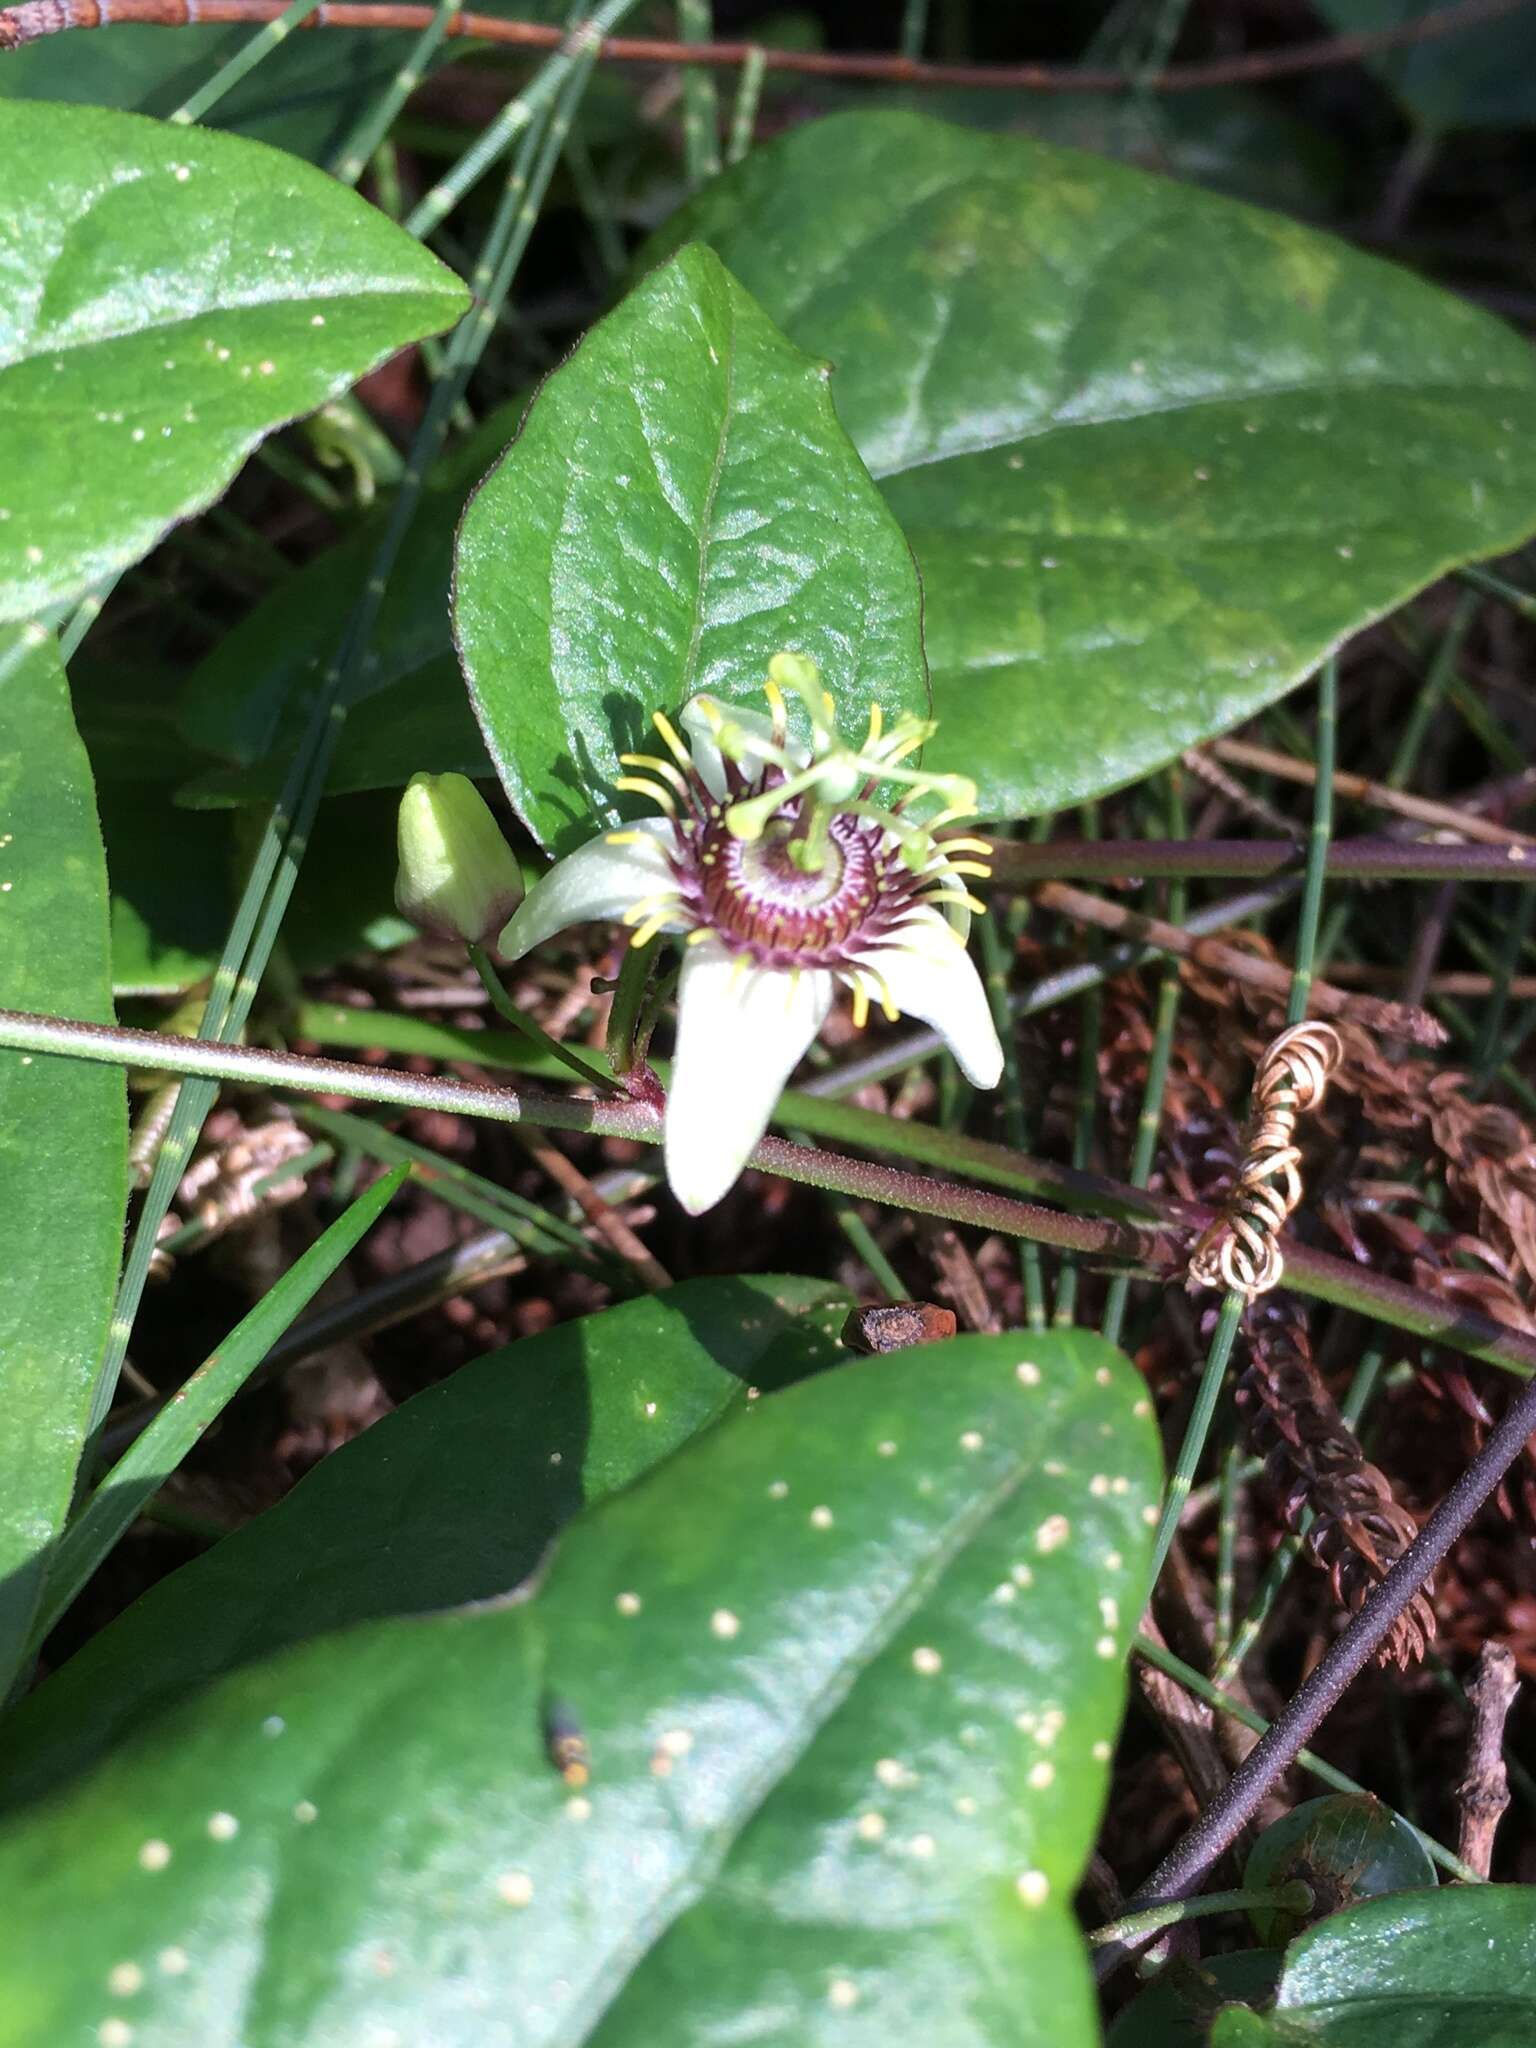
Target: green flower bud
(457, 877)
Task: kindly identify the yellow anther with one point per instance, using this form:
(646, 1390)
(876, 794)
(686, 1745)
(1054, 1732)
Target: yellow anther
(662, 904)
(876, 725)
(978, 868)
(626, 839)
(656, 766)
(860, 1006)
(679, 752)
(697, 938)
(961, 896)
(949, 846)
(648, 930)
(638, 787)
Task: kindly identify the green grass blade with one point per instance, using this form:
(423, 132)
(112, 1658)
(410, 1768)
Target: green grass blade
(146, 1465)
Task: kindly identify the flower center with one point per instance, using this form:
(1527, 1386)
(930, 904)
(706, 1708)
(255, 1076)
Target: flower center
(755, 895)
(793, 864)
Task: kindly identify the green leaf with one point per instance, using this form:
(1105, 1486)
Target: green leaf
(680, 505)
(1156, 452)
(63, 1125)
(302, 97)
(1435, 1969)
(784, 1628)
(453, 1497)
(173, 295)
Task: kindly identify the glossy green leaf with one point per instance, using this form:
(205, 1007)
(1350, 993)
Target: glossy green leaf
(680, 505)
(1482, 76)
(453, 1497)
(1454, 1968)
(63, 1125)
(171, 295)
(1156, 452)
(796, 1622)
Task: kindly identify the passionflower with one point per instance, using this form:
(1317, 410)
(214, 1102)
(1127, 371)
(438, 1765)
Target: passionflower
(788, 881)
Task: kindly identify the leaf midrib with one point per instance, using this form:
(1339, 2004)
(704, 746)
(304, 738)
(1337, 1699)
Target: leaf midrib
(711, 492)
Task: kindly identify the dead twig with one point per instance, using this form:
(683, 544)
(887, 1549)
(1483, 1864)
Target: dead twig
(603, 1217)
(1361, 789)
(1396, 1020)
(1483, 1793)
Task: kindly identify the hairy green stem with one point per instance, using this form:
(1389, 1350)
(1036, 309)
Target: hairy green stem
(1292, 1897)
(1166, 1226)
(1017, 866)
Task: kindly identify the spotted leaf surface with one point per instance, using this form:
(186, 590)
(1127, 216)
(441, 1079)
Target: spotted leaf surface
(169, 296)
(63, 1125)
(1453, 1968)
(680, 505)
(1156, 452)
(796, 1623)
(453, 1497)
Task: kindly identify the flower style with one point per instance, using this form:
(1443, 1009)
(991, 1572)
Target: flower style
(788, 881)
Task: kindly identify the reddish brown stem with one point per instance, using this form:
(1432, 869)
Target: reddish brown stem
(1016, 865)
(37, 18)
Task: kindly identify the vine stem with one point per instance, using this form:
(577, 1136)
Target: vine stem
(37, 18)
(1154, 1244)
(1017, 865)
(1218, 1827)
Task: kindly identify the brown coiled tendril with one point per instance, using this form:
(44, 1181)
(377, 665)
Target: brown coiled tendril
(1240, 1250)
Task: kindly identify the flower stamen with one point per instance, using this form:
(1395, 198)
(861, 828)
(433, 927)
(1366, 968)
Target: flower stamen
(662, 798)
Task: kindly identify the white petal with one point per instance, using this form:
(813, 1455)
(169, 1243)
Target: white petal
(699, 729)
(597, 881)
(930, 976)
(740, 1034)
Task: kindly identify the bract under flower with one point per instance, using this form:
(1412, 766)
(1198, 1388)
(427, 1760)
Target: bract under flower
(787, 880)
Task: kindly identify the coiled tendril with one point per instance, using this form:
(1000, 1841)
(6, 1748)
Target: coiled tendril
(1240, 1250)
